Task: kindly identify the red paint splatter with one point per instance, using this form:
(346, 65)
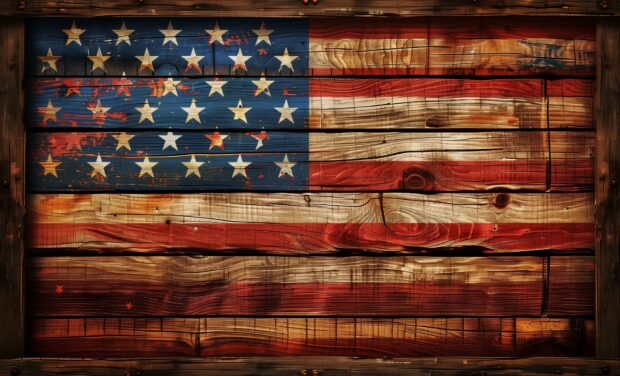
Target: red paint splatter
(129, 306)
(262, 51)
(59, 289)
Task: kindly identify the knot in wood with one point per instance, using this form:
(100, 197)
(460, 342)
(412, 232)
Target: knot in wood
(605, 370)
(5, 182)
(15, 371)
(418, 179)
(613, 182)
(307, 199)
(604, 4)
(21, 5)
(501, 200)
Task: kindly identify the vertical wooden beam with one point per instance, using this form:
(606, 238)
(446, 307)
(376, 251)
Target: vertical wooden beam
(11, 187)
(607, 189)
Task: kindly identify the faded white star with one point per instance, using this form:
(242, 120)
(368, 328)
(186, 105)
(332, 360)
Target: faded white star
(240, 167)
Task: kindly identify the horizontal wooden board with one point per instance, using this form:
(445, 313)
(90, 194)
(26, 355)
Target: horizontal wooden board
(325, 103)
(275, 8)
(326, 366)
(232, 47)
(311, 222)
(310, 286)
(365, 337)
(515, 46)
(572, 160)
(294, 161)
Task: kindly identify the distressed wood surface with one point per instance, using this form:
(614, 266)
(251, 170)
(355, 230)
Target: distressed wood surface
(274, 8)
(328, 366)
(607, 191)
(341, 161)
(357, 286)
(365, 337)
(323, 103)
(345, 161)
(311, 222)
(328, 47)
(571, 166)
(12, 157)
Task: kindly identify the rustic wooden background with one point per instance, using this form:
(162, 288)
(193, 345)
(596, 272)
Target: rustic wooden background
(462, 225)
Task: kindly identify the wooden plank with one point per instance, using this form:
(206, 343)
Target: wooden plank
(326, 47)
(311, 222)
(570, 271)
(274, 8)
(347, 161)
(571, 162)
(367, 337)
(327, 366)
(481, 46)
(607, 191)
(570, 103)
(322, 103)
(12, 155)
(318, 286)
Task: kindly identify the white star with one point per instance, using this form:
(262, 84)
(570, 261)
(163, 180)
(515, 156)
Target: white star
(146, 112)
(240, 111)
(193, 166)
(216, 34)
(286, 60)
(49, 61)
(146, 167)
(262, 34)
(262, 85)
(123, 34)
(240, 167)
(98, 167)
(170, 34)
(286, 167)
(49, 166)
(170, 86)
(193, 61)
(240, 60)
(123, 140)
(193, 112)
(49, 112)
(170, 140)
(98, 110)
(73, 34)
(216, 87)
(98, 60)
(286, 112)
(146, 61)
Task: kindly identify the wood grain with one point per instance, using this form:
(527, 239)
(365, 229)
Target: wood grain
(323, 103)
(368, 337)
(12, 157)
(311, 222)
(571, 163)
(487, 46)
(318, 286)
(327, 366)
(607, 191)
(344, 161)
(336, 47)
(274, 8)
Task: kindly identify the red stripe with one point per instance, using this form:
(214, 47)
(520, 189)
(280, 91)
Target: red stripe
(572, 174)
(323, 298)
(570, 88)
(369, 28)
(302, 238)
(425, 88)
(427, 176)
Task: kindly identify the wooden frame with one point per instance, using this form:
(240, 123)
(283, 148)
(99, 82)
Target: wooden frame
(12, 204)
